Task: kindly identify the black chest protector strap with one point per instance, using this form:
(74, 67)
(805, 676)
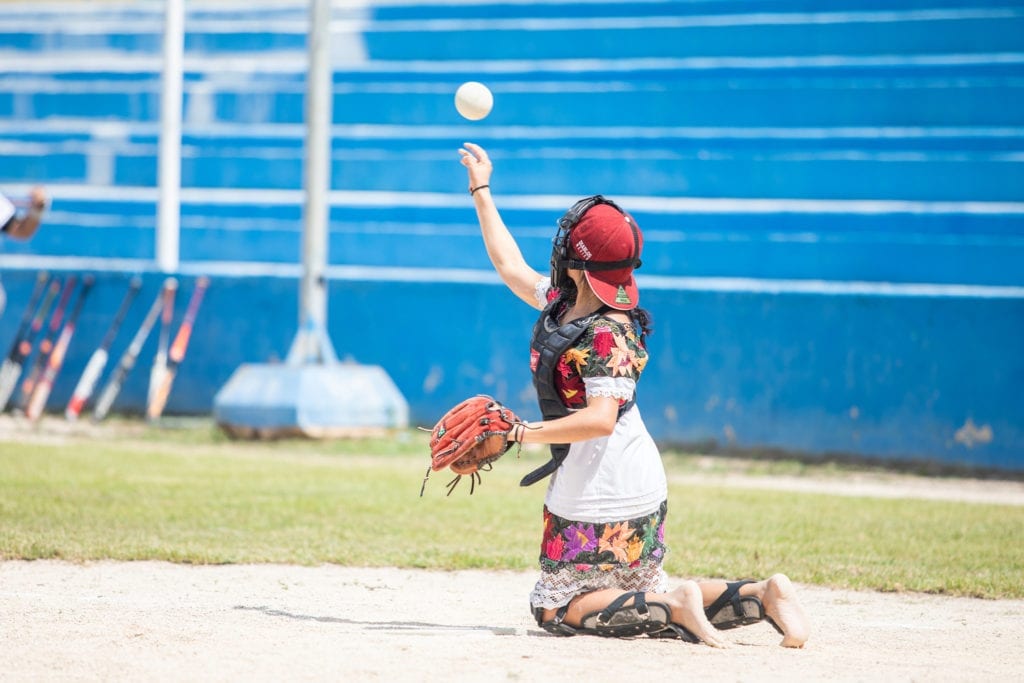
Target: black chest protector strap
(551, 340)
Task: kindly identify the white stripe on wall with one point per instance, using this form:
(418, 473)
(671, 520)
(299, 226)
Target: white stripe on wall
(487, 277)
(638, 204)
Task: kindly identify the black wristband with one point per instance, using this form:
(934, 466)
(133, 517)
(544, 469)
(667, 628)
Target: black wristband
(472, 190)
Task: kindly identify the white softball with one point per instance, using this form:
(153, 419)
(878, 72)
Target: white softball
(473, 100)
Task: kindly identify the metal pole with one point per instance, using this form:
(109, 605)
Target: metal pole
(261, 400)
(311, 343)
(169, 164)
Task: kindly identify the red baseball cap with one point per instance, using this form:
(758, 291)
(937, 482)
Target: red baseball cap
(604, 234)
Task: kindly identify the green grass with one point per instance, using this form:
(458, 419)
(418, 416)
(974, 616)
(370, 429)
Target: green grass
(191, 495)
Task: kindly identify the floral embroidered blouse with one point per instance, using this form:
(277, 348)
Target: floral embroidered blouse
(608, 349)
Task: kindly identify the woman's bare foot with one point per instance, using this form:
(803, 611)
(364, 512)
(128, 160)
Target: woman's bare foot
(688, 611)
(783, 607)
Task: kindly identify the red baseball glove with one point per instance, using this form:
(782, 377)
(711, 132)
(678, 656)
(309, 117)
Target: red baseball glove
(469, 438)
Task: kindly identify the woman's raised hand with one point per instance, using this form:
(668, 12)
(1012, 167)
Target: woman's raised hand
(476, 161)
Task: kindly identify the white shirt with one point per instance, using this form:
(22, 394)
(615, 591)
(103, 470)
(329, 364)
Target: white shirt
(612, 478)
(7, 210)
(6, 213)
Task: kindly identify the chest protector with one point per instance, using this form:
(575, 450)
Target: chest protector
(550, 340)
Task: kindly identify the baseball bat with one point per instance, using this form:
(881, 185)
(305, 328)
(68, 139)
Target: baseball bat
(26, 317)
(15, 361)
(98, 360)
(159, 369)
(130, 355)
(41, 393)
(177, 350)
(46, 344)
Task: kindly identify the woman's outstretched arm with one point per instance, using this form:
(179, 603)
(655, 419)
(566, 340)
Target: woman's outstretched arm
(502, 248)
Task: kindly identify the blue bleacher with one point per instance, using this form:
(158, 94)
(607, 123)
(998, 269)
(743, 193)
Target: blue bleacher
(855, 141)
(915, 100)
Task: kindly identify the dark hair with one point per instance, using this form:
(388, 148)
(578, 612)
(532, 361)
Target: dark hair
(642, 318)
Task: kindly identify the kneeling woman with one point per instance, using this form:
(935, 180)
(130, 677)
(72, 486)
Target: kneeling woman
(606, 502)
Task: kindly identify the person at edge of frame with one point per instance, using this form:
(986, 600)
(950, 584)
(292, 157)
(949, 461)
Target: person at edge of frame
(21, 226)
(605, 506)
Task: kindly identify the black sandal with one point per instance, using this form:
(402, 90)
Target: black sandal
(732, 610)
(619, 620)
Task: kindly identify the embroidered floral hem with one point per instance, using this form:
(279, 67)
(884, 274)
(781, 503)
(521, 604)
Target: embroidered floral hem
(603, 545)
(579, 557)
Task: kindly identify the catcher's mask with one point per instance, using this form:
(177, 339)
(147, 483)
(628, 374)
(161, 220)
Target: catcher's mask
(617, 289)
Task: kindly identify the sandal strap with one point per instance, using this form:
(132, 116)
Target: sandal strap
(639, 602)
(730, 594)
(555, 626)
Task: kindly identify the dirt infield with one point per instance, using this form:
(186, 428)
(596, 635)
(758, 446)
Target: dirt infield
(159, 621)
(156, 621)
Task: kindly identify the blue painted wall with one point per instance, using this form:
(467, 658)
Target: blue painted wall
(886, 376)
(832, 196)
